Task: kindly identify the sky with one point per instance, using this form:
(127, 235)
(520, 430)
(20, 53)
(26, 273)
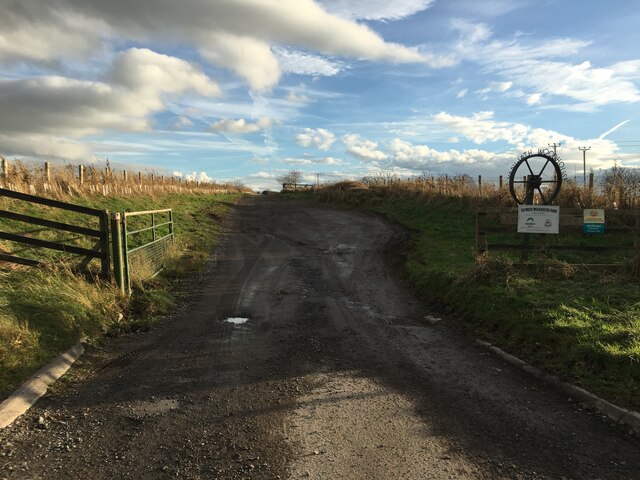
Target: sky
(247, 90)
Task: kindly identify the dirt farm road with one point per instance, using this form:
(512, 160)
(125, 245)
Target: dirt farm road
(335, 375)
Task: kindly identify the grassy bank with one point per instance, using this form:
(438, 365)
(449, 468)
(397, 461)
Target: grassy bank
(45, 311)
(582, 325)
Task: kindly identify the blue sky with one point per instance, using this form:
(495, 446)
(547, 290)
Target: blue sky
(249, 89)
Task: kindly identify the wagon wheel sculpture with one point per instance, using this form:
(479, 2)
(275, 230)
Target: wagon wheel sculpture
(536, 176)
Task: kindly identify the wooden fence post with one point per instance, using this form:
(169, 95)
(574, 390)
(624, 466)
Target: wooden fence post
(80, 174)
(480, 184)
(481, 235)
(591, 181)
(500, 182)
(104, 243)
(5, 168)
(140, 177)
(47, 171)
(124, 176)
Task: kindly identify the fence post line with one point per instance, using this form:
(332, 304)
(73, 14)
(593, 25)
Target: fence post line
(47, 171)
(480, 184)
(124, 176)
(591, 181)
(5, 168)
(104, 243)
(116, 243)
(80, 174)
(500, 181)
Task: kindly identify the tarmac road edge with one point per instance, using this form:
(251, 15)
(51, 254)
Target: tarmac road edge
(618, 414)
(36, 386)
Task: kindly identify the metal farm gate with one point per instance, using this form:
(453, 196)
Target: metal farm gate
(140, 241)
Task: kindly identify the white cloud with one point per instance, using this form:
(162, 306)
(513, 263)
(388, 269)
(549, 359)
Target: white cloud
(237, 35)
(417, 157)
(312, 161)
(296, 97)
(35, 32)
(240, 125)
(500, 87)
(39, 112)
(182, 122)
(534, 68)
(462, 93)
(142, 70)
(482, 128)
(42, 145)
(363, 149)
(292, 61)
(534, 99)
(376, 9)
(198, 177)
(320, 138)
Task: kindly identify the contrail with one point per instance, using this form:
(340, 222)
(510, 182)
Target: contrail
(613, 129)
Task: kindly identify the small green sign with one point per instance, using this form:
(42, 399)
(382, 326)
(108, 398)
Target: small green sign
(593, 228)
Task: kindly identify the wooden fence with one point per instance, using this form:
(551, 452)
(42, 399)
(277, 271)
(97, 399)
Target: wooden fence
(496, 230)
(81, 180)
(100, 250)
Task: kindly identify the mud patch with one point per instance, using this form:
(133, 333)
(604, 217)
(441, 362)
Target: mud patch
(153, 407)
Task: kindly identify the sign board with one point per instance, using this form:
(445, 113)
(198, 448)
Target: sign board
(593, 220)
(538, 219)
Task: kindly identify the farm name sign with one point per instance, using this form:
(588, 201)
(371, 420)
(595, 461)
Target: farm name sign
(538, 219)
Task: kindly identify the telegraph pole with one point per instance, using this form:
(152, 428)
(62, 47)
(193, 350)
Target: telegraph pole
(554, 145)
(584, 164)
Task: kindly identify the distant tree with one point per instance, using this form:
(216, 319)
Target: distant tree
(621, 184)
(293, 176)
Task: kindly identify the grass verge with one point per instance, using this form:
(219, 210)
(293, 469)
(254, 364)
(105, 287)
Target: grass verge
(43, 312)
(579, 324)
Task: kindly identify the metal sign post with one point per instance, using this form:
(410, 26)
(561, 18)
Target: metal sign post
(542, 174)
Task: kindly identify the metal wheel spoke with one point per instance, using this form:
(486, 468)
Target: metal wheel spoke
(543, 167)
(529, 167)
(544, 200)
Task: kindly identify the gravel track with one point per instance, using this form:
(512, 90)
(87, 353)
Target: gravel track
(335, 374)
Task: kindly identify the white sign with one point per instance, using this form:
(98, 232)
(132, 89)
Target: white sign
(594, 215)
(538, 219)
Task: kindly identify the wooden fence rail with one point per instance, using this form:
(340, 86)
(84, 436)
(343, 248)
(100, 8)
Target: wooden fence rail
(100, 251)
(502, 222)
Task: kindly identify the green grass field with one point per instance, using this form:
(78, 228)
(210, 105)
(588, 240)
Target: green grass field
(580, 324)
(45, 311)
